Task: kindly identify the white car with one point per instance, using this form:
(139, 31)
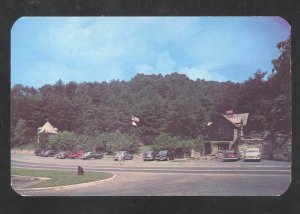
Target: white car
(126, 155)
(253, 154)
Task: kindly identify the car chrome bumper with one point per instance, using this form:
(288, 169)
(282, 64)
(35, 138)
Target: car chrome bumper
(148, 158)
(230, 158)
(162, 158)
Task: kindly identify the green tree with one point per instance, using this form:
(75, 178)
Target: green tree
(279, 84)
(254, 100)
(116, 141)
(65, 141)
(20, 133)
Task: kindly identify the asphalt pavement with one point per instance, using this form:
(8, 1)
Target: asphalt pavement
(169, 178)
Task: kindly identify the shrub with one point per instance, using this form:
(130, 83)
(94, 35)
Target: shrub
(178, 145)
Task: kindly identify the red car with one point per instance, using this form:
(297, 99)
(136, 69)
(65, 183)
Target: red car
(231, 155)
(76, 155)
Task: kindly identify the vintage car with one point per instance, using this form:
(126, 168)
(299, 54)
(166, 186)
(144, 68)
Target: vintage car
(252, 154)
(90, 155)
(62, 155)
(126, 155)
(150, 156)
(231, 155)
(39, 152)
(76, 155)
(165, 155)
(49, 153)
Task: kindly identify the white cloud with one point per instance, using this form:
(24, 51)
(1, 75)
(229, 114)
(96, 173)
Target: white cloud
(164, 64)
(201, 73)
(105, 48)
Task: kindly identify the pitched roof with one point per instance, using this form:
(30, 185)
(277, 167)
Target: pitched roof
(47, 128)
(237, 119)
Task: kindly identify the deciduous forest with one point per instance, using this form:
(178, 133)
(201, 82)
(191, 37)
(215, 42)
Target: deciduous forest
(172, 105)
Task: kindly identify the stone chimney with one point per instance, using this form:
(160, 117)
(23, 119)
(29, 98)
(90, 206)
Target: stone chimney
(229, 113)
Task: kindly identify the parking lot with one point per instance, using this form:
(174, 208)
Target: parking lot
(177, 177)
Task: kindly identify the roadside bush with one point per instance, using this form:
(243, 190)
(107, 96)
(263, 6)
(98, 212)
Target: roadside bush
(178, 145)
(165, 141)
(67, 140)
(101, 142)
(116, 141)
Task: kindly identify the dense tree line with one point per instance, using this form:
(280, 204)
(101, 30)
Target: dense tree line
(172, 106)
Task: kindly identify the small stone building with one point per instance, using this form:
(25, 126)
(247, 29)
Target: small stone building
(222, 133)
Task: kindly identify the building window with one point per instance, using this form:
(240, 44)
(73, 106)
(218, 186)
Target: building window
(223, 146)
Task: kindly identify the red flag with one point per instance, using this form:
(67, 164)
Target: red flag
(135, 119)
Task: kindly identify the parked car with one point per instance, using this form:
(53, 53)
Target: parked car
(38, 152)
(42, 153)
(252, 154)
(149, 156)
(127, 155)
(62, 155)
(76, 155)
(165, 155)
(90, 155)
(231, 155)
(49, 153)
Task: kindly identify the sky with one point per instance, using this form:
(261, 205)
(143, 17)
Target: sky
(46, 49)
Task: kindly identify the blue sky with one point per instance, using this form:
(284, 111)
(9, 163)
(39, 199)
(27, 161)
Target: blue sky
(46, 49)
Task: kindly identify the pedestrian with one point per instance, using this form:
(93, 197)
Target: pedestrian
(120, 158)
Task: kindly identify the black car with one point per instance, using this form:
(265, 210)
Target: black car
(149, 155)
(38, 152)
(49, 153)
(165, 155)
(90, 155)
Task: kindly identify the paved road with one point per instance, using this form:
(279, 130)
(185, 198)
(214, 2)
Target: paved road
(186, 178)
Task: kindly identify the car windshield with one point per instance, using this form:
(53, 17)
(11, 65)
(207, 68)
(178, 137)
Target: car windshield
(120, 152)
(252, 151)
(163, 152)
(229, 152)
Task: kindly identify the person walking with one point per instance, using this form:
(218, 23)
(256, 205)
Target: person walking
(120, 158)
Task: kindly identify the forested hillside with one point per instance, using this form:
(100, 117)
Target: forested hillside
(172, 104)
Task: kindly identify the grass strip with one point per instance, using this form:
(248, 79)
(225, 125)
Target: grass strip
(60, 178)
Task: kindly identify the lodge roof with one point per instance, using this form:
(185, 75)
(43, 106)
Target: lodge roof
(237, 119)
(47, 128)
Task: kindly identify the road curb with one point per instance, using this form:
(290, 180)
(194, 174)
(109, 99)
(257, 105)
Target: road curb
(68, 186)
